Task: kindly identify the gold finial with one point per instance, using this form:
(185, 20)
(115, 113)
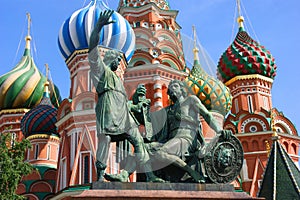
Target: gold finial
(273, 115)
(268, 148)
(195, 50)
(28, 38)
(47, 83)
(240, 18)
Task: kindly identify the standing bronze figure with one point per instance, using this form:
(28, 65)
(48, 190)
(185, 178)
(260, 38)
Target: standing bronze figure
(114, 119)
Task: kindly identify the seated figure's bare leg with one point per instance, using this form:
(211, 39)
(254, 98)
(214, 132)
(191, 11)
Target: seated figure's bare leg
(102, 155)
(170, 153)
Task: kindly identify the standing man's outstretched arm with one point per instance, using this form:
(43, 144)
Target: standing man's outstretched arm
(96, 64)
(102, 21)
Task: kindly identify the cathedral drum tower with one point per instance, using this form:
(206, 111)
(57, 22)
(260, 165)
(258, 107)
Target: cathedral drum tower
(21, 89)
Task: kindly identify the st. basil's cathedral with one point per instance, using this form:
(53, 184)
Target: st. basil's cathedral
(63, 132)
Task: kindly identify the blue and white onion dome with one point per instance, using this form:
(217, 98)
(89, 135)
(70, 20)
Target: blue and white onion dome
(76, 30)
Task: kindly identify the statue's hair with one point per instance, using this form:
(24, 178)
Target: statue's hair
(109, 56)
(182, 87)
(135, 99)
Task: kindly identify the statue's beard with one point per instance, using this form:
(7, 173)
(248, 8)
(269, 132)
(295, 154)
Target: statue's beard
(173, 96)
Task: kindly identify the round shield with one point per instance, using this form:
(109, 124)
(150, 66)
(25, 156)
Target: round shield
(225, 160)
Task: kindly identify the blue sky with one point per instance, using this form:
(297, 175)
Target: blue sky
(274, 23)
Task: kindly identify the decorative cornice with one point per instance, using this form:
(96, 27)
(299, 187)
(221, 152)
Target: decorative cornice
(42, 136)
(247, 77)
(154, 67)
(268, 134)
(145, 9)
(73, 114)
(14, 111)
(75, 53)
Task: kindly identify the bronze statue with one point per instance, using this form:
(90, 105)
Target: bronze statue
(181, 135)
(114, 119)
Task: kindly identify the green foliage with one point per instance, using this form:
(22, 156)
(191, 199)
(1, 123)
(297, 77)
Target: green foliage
(12, 165)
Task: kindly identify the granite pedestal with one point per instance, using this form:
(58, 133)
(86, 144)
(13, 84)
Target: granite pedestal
(157, 191)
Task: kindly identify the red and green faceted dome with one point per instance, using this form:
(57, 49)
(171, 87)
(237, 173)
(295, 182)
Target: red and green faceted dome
(246, 56)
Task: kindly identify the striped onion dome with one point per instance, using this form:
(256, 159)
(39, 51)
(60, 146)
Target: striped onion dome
(76, 30)
(41, 119)
(162, 4)
(22, 87)
(245, 56)
(212, 92)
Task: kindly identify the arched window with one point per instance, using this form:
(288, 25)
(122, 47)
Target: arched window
(138, 63)
(48, 151)
(137, 24)
(86, 171)
(294, 148)
(265, 102)
(286, 146)
(236, 104)
(63, 175)
(250, 104)
(36, 155)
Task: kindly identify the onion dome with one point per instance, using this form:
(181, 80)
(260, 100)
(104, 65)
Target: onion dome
(212, 92)
(245, 56)
(76, 30)
(162, 4)
(22, 87)
(41, 119)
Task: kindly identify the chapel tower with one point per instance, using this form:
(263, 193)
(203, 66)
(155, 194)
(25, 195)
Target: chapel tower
(38, 126)
(21, 89)
(249, 69)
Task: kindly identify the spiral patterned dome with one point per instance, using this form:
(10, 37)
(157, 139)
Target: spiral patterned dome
(212, 92)
(162, 4)
(246, 56)
(22, 87)
(41, 119)
(76, 30)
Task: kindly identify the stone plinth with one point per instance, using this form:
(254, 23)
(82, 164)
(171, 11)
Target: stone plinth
(162, 186)
(157, 191)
